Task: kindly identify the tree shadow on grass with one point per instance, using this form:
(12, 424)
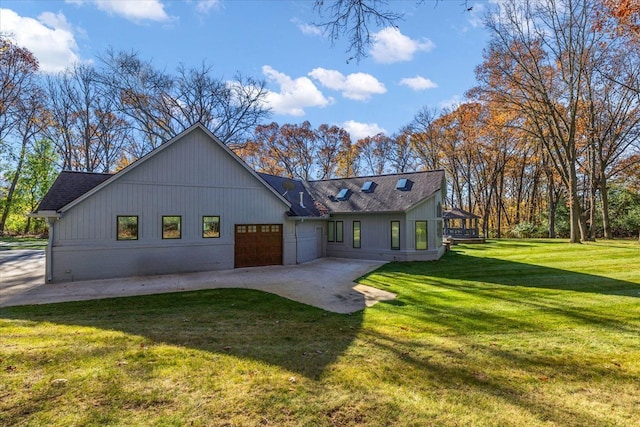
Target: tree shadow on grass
(486, 370)
(460, 267)
(238, 322)
(464, 293)
(520, 333)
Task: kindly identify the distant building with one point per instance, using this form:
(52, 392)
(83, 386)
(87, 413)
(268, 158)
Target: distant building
(194, 205)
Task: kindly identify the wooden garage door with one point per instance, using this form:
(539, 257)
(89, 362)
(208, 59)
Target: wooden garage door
(258, 244)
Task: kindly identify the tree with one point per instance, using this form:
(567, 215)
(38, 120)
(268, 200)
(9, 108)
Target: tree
(536, 62)
(402, 156)
(160, 105)
(38, 174)
(18, 68)
(30, 123)
(425, 139)
(348, 162)
(375, 152)
(330, 142)
(355, 19)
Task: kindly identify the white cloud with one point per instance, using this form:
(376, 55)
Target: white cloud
(418, 83)
(310, 30)
(359, 130)
(205, 6)
(356, 86)
(136, 11)
(390, 45)
(451, 103)
(476, 15)
(294, 95)
(49, 38)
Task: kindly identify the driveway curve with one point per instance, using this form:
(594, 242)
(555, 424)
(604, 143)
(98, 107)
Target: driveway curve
(327, 283)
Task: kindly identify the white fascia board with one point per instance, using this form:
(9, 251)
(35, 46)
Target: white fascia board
(45, 214)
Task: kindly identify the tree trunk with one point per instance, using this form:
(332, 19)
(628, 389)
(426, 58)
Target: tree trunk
(604, 197)
(12, 188)
(576, 228)
(552, 211)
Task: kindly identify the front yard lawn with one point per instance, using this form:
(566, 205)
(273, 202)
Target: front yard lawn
(14, 243)
(511, 333)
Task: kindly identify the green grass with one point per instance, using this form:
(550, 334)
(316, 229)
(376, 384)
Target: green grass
(13, 243)
(511, 333)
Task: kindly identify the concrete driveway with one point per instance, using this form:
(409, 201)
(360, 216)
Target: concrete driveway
(326, 283)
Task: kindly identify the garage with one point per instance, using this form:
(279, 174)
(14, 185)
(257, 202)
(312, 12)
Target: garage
(258, 245)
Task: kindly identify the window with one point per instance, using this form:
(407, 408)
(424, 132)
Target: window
(343, 194)
(367, 187)
(421, 236)
(251, 228)
(439, 230)
(241, 228)
(404, 184)
(356, 234)
(275, 228)
(395, 235)
(127, 227)
(264, 228)
(439, 210)
(331, 231)
(172, 227)
(210, 226)
(339, 231)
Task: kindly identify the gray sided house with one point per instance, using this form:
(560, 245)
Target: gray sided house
(193, 205)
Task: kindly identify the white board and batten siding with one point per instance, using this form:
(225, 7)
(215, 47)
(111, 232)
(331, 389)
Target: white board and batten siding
(191, 178)
(310, 240)
(375, 232)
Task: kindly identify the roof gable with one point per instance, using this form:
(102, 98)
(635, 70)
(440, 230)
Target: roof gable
(97, 186)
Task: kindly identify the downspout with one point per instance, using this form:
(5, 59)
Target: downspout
(295, 233)
(49, 253)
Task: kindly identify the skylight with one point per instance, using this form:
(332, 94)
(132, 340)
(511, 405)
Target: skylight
(367, 187)
(403, 184)
(343, 194)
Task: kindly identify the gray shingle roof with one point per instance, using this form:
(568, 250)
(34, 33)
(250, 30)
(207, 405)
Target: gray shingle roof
(457, 213)
(319, 197)
(68, 187)
(384, 197)
(293, 194)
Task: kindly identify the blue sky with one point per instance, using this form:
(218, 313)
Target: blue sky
(428, 60)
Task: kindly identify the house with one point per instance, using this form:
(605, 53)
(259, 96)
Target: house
(194, 205)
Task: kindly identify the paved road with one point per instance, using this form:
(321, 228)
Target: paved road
(326, 283)
(20, 269)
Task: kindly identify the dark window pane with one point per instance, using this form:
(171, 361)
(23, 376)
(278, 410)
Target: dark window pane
(127, 228)
(356, 234)
(339, 231)
(171, 227)
(395, 234)
(421, 235)
(210, 226)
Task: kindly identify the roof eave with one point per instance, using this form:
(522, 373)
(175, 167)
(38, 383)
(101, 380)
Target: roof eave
(366, 212)
(45, 214)
(309, 218)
